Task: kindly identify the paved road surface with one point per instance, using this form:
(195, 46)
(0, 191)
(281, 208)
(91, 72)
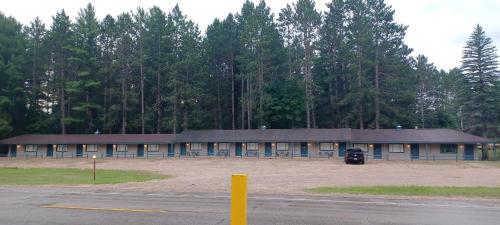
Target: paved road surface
(44, 207)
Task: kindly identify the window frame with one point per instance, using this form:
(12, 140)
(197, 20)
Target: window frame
(391, 148)
(256, 144)
(321, 144)
(95, 149)
(282, 144)
(63, 146)
(118, 149)
(35, 148)
(453, 147)
(191, 146)
(148, 147)
(220, 144)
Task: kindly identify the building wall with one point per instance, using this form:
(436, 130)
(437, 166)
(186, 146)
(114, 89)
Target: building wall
(426, 151)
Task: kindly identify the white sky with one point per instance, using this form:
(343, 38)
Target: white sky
(437, 28)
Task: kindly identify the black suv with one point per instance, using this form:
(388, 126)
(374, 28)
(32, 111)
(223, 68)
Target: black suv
(354, 155)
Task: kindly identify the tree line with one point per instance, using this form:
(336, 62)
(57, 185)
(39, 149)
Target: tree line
(151, 71)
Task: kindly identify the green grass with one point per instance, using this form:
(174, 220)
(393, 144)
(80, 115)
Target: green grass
(69, 176)
(483, 192)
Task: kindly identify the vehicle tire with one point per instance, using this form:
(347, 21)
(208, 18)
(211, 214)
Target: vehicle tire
(362, 162)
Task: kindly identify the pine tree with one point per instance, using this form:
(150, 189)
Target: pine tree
(59, 44)
(480, 72)
(84, 87)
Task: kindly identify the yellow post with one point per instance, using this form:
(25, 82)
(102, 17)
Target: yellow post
(238, 200)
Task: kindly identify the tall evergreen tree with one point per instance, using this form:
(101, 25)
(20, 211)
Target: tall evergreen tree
(59, 44)
(480, 71)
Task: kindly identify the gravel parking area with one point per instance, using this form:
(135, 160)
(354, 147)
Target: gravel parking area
(280, 176)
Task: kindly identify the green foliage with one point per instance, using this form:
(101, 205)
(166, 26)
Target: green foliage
(59, 176)
(471, 192)
(151, 71)
(481, 77)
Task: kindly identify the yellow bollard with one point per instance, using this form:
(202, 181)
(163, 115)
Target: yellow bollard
(238, 200)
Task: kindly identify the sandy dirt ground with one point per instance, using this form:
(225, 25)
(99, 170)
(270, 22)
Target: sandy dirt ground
(278, 176)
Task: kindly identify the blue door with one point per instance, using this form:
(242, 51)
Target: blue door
(109, 150)
(342, 146)
(268, 149)
(238, 150)
(183, 149)
(469, 152)
(170, 151)
(79, 150)
(140, 150)
(303, 149)
(210, 149)
(377, 151)
(415, 153)
(50, 150)
(13, 150)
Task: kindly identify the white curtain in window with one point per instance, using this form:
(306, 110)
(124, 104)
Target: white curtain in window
(195, 146)
(326, 146)
(121, 148)
(91, 148)
(252, 146)
(224, 146)
(31, 148)
(396, 148)
(282, 146)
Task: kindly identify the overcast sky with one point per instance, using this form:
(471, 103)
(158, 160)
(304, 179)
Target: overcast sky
(437, 28)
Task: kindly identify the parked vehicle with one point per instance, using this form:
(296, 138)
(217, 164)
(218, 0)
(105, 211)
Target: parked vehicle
(354, 155)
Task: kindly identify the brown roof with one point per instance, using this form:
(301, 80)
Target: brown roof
(258, 135)
(414, 136)
(268, 135)
(90, 139)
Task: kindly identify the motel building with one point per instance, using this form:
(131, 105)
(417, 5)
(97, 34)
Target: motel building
(381, 144)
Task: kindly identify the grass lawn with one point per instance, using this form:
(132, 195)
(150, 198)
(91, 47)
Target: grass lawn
(484, 192)
(41, 176)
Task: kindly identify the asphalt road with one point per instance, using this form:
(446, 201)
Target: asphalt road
(44, 207)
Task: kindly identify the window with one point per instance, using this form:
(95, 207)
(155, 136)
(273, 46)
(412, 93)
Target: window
(448, 148)
(31, 148)
(121, 148)
(282, 146)
(363, 147)
(91, 148)
(195, 146)
(61, 148)
(396, 148)
(223, 146)
(326, 146)
(252, 146)
(152, 148)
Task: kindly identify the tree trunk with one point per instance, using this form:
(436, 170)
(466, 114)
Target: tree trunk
(219, 108)
(141, 67)
(233, 120)
(360, 101)
(158, 95)
(61, 97)
(377, 90)
(124, 100)
(249, 104)
(242, 102)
